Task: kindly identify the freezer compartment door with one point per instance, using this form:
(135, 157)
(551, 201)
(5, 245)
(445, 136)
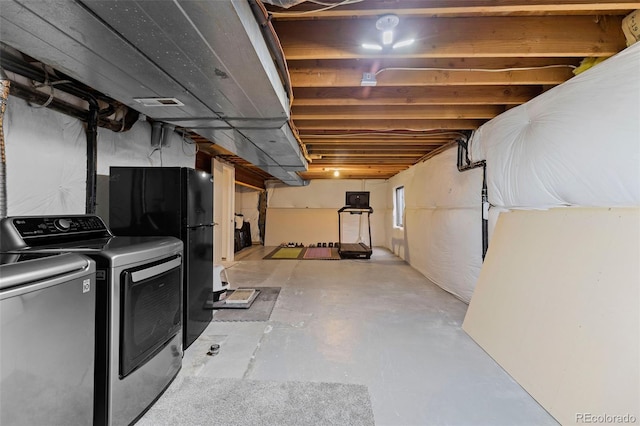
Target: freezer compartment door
(145, 201)
(199, 203)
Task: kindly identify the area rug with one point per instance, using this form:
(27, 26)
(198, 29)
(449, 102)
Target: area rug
(209, 401)
(260, 309)
(321, 253)
(286, 253)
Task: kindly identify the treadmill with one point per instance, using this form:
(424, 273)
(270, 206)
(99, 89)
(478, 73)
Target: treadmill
(354, 250)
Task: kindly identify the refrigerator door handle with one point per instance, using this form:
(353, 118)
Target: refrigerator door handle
(202, 225)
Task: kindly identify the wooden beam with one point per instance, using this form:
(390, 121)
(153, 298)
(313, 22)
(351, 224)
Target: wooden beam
(382, 140)
(433, 8)
(462, 95)
(350, 175)
(246, 177)
(373, 163)
(327, 151)
(435, 73)
(384, 112)
(395, 153)
(550, 36)
(339, 124)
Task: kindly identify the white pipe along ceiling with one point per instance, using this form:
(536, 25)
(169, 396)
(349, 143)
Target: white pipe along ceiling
(204, 64)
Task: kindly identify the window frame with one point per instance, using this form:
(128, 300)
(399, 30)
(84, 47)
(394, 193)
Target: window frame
(398, 207)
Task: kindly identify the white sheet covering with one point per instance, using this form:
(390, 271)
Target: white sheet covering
(576, 144)
(46, 158)
(442, 237)
(133, 148)
(46, 161)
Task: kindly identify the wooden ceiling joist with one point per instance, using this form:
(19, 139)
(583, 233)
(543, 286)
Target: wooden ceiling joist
(402, 112)
(523, 36)
(447, 8)
(471, 61)
(395, 76)
(388, 124)
(459, 95)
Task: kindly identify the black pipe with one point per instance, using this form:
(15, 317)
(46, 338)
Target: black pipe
(92, 154)
(464, 164)
(39, 98)
(14, 64)
(485, 212)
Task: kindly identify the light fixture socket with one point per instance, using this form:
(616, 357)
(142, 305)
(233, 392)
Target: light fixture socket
(387, 37)
(368, 79)
(387, 22)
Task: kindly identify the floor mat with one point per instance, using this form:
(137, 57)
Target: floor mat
(286, 253)
(304, 253)
(260, 309)
(205, 401)
(321, 253)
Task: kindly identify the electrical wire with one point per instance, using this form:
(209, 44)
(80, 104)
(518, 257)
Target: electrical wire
(474, 69)
(322, 3)
(189, 141)
(308, 12)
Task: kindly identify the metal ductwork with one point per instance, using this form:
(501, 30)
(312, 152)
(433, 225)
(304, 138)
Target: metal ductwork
(201, 65)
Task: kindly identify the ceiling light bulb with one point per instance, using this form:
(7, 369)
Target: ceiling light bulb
(371, 46)
(387, 37)
(403, 43)
(336, 173)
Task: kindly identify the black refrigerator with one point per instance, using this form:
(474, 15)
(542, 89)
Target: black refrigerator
(177, 202)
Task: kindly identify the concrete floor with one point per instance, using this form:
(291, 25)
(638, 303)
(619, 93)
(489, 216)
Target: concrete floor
(374, 322)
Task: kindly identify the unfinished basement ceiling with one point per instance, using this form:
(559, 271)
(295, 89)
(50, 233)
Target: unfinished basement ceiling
(445, 83)
(471, 60)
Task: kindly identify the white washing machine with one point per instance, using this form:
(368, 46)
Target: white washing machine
(47, 329)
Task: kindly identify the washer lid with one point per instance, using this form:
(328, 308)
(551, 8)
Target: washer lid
(17, 271)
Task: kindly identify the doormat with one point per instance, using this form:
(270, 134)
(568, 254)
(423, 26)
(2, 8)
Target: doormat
(321, 253)
(286, 253)
(260, 309)
(203, 400)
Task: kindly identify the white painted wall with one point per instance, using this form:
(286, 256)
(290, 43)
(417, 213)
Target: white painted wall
(309, 214)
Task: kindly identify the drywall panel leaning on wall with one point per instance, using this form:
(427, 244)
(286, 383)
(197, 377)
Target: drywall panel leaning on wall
(576, 144)
(557, 305)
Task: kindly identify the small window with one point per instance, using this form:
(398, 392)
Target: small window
(398, 207)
